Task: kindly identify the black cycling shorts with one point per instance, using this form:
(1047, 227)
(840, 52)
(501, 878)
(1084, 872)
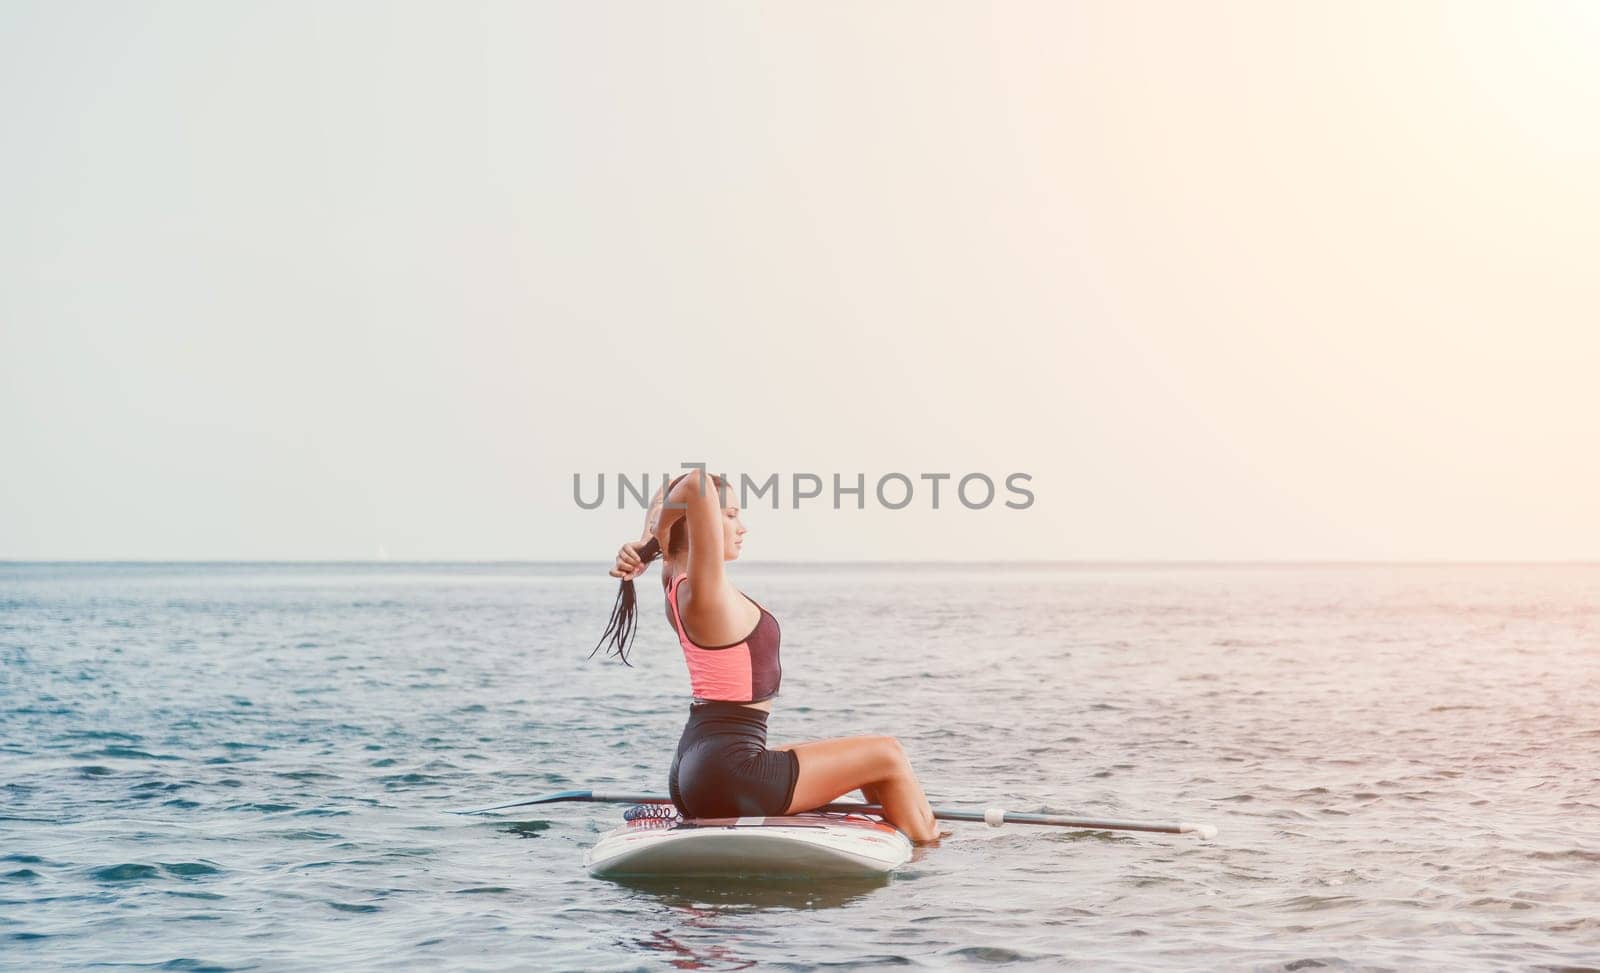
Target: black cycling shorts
(723, 768)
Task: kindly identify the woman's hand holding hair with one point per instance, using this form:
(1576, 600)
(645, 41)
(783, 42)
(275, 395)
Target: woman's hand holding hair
(629, 564)
(633, 557)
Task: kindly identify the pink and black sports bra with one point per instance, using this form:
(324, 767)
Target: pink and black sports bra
(745, 672)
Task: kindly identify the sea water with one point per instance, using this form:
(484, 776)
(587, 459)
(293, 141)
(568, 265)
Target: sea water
(228, 766)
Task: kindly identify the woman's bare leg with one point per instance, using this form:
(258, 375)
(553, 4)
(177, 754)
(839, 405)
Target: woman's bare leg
(868, 791)
(829, 769)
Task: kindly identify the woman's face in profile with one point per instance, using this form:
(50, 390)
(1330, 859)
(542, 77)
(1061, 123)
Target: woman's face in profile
(733, 529)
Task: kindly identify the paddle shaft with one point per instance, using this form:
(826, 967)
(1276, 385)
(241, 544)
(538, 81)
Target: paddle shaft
(995, 817)
(590, 796)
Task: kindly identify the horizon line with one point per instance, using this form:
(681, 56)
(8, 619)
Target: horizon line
(1138, 562)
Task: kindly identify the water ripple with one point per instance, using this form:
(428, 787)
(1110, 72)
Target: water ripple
(1401, 759)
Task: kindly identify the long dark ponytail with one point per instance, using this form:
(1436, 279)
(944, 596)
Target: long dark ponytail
(620, 630)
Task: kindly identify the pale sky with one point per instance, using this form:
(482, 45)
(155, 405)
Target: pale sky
(1227, 280)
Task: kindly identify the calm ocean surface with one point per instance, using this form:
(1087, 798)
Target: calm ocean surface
(247, 766)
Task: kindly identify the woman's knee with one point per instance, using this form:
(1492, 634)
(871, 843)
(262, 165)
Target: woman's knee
(892, 754)
(879, 759)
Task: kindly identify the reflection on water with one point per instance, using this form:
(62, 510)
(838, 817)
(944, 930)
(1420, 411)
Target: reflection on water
(714, 896)
(719, 911)
(684, 957)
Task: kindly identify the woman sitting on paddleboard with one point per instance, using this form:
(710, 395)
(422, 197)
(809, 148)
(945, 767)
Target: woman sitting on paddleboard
(723, 767)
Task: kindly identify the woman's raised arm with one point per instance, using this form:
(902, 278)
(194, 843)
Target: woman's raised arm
(698, 496)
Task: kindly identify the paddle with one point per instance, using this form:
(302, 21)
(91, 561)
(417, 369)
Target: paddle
(994, 817)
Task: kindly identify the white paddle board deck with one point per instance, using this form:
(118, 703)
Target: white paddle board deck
(800, 845)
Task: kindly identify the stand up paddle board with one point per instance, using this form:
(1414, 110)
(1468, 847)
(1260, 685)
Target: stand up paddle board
(800, 845)
(835, 840)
